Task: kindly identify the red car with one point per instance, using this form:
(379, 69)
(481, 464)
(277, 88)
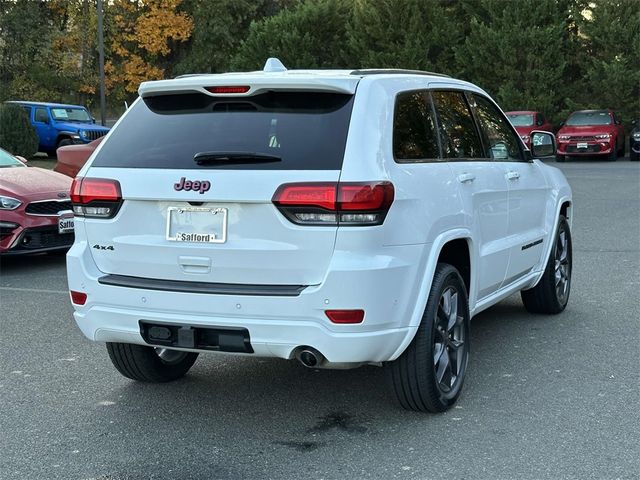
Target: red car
(72, 157)
(35, 209)
(525, 121)
(591, 132)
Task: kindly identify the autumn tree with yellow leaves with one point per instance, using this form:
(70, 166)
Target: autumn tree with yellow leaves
(142, 40)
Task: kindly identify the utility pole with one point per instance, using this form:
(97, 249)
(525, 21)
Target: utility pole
(101, 64)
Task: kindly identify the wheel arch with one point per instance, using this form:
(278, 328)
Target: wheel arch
(64, 135)
(565, 208)
(445, 246)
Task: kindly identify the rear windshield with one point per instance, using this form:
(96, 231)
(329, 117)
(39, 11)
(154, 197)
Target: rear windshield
(305, 130)
(589, 118)
(521, 119)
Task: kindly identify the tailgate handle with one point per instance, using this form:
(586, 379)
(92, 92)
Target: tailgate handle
(195, 264)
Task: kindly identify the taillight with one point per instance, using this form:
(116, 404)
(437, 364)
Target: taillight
(346, 204)
(95, 197)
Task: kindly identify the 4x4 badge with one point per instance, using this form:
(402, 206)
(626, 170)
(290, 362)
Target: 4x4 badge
(200, 186)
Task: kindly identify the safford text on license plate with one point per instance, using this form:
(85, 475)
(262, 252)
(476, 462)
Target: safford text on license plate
(197, 224)
(65, 225)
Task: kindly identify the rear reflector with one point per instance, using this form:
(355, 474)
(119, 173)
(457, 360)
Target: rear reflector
(228, 89)
(95, 197)
(78, 298)
(345, 316)
(353, 203)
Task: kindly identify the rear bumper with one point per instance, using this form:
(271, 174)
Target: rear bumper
(382, 285)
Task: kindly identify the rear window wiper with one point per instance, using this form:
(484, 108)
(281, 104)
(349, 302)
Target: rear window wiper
(225, 158)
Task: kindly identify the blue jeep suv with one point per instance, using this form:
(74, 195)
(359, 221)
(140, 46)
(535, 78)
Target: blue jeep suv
(58, 125)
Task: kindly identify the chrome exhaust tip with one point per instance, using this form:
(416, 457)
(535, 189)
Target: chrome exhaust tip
(310, 357)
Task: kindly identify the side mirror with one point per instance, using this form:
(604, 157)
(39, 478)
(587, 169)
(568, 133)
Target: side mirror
(93, 119)
(543, 144)
(22, 159)
(561, 124)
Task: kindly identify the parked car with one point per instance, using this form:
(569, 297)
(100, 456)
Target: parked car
(317, 216)
(527, 121)
(634, 141)
(58, 125)
(589, 133)
(71, 158)
(35, 209)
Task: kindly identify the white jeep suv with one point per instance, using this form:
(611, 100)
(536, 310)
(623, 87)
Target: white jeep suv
(340, 218)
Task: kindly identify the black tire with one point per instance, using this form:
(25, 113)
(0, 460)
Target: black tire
(64, 142)
(148, 364)
(613, 156)
(413, 376)
(560, 158)
(634, 157)
(551, 294)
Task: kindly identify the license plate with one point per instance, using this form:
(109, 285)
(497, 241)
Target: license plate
(65, 225)
(583, 145)
(197, 224)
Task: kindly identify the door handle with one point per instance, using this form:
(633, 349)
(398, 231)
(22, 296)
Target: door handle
(513, 175)
(466, 177)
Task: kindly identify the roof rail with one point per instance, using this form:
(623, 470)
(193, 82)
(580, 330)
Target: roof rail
(395, 71)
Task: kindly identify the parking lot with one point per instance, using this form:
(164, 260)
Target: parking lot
(545, 397)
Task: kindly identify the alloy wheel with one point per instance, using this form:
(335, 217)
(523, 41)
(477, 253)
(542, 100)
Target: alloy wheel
(449, 351)
(562, 266)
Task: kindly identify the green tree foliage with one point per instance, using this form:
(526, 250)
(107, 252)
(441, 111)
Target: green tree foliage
(219, 28)
(521, 56)
(311, 35)
(410, 34)
(26, 69)
(549, 55)
(610, 38)
(17, 136)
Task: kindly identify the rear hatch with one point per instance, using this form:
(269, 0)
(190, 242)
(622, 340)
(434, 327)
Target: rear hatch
(197, 173)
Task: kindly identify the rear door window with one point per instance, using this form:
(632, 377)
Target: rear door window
(500, 139)
(304, 130)
(41, 115)
(414, 131)
(458, 132)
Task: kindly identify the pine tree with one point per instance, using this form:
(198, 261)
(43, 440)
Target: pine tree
(309, 35)
(218, 30)
(521, 53)
(411, 34)
(610, 33)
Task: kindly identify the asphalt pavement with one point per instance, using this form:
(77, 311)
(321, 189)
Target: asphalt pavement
(552, 397)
